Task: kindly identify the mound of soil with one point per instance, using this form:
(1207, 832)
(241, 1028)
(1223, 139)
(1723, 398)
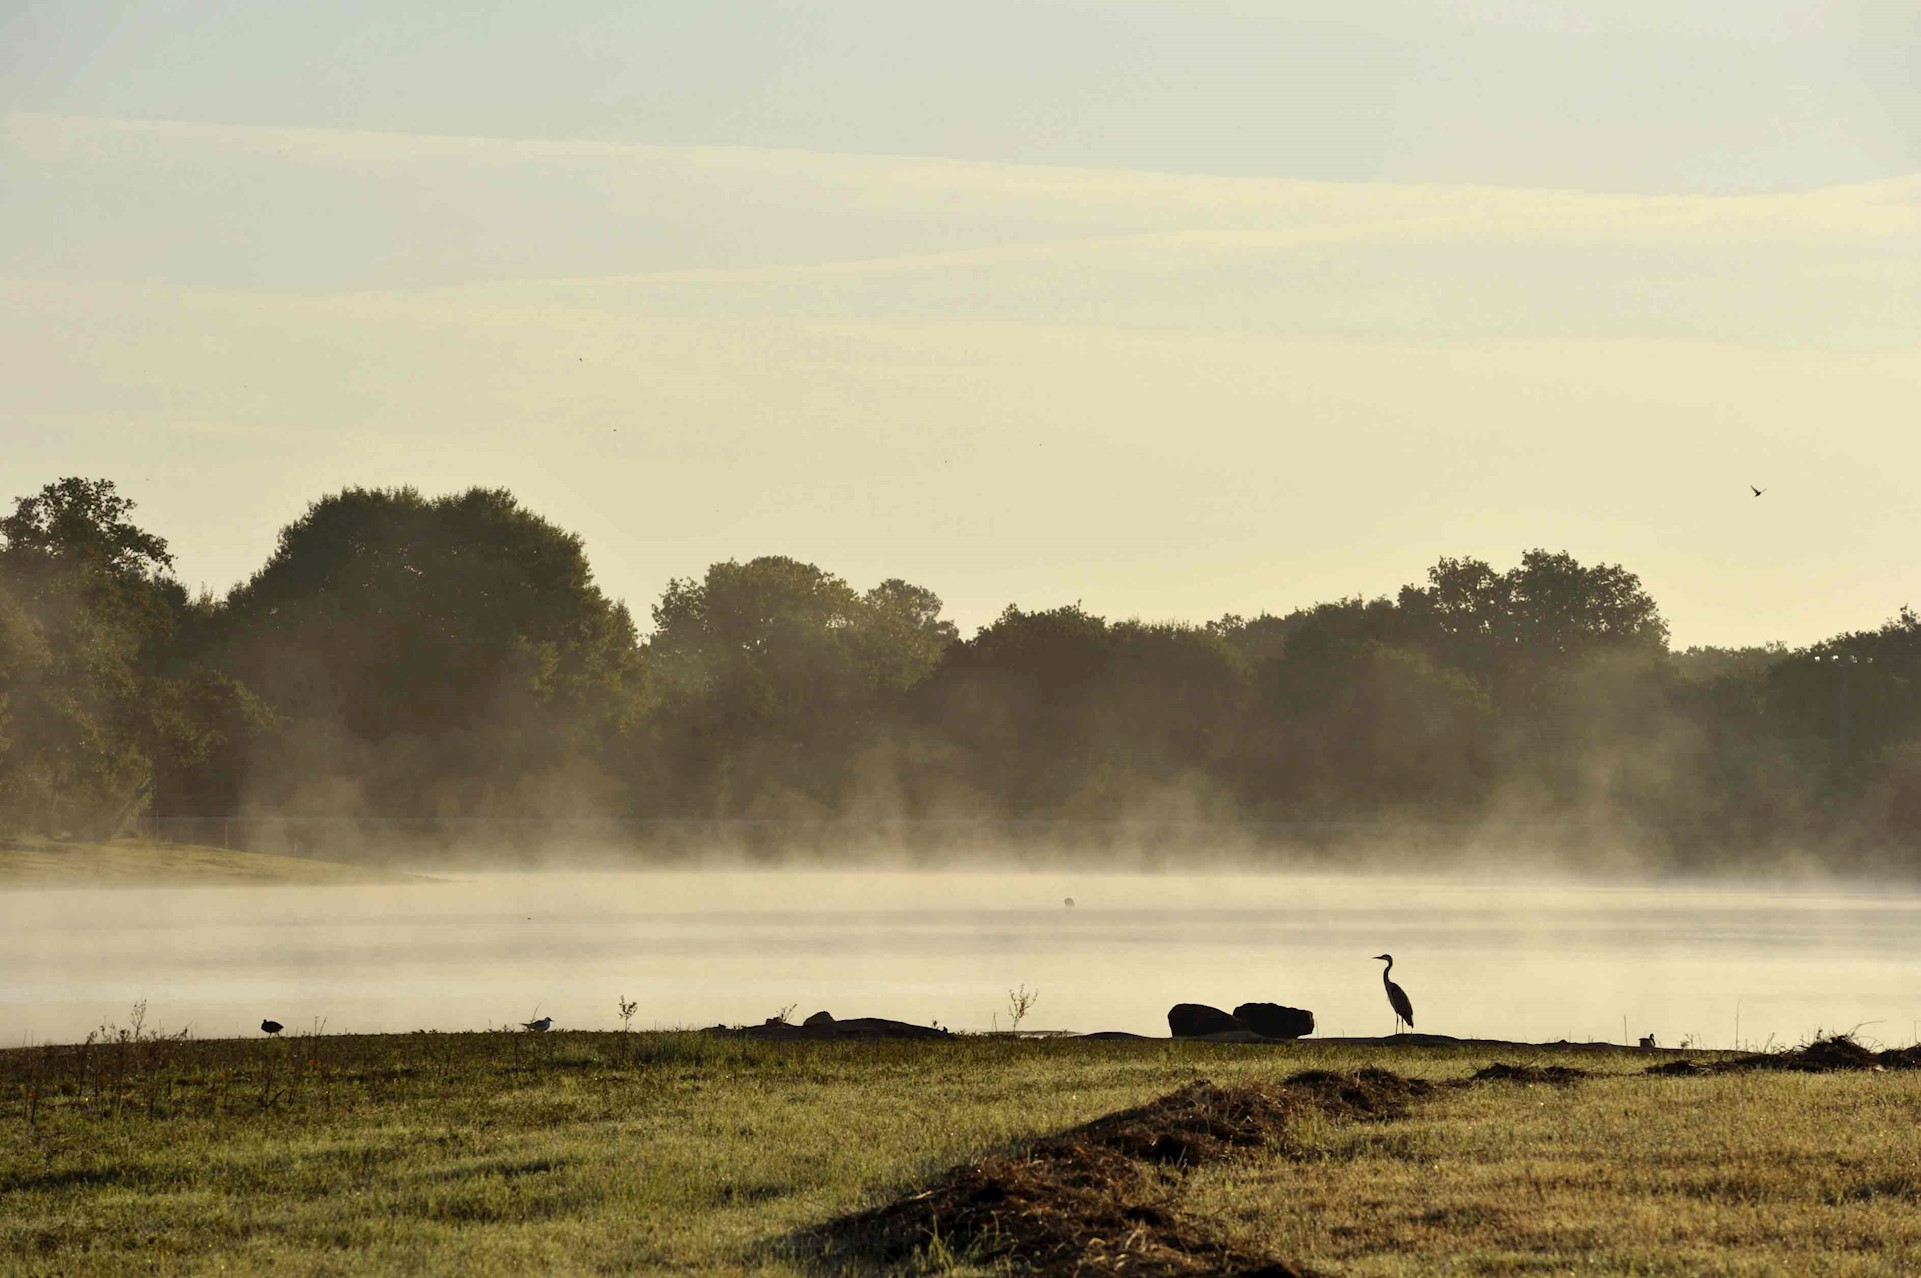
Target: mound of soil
(1203, 1123)
(1822, 1056)
(1678, 1069)
(1500, 1072)
(1099, 1199)
(1082, 1210)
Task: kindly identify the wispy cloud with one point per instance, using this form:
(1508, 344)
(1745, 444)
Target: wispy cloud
(1004, 214)
(1889, 210)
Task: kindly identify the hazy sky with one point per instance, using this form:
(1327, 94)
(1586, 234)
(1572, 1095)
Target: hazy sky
(1175, 307)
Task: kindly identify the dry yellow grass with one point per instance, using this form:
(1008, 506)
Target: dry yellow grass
(1749, 1174)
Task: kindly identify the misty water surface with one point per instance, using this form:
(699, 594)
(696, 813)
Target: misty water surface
(700, 948)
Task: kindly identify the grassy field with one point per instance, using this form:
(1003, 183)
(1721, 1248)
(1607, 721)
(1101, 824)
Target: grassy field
(569, 1153)
(46, 863)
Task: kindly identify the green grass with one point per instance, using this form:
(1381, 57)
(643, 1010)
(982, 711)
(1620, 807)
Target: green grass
(610, 1153)
(136, 862)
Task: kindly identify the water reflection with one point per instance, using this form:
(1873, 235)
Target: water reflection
(1478, 958)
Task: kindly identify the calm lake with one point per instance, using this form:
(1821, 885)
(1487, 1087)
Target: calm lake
(1484, 959)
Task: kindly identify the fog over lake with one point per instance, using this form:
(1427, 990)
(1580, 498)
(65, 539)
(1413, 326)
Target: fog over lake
(1479, 958)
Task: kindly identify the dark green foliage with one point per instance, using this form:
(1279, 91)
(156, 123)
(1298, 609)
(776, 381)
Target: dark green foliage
(93, 687)
(1060, 713)
(773, 677)
(446, 656)
(406, 656)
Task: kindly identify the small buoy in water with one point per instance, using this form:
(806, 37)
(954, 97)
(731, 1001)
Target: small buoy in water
(271, 1027)
(1068, 901)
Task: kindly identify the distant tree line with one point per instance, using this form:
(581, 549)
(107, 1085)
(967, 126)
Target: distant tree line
(400, 655)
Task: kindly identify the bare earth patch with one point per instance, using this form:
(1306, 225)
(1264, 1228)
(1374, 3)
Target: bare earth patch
(1100, 1198)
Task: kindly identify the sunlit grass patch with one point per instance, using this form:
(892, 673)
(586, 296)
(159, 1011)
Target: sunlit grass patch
(1745, 1174)
(509, 1153)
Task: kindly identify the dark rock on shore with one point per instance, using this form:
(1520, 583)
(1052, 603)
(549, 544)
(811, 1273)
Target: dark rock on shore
(1198, 1020)
(879, 1027)
(821, 1025)
(1271, 1020)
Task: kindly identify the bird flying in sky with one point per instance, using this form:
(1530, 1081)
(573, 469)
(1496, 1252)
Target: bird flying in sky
(1757, 491)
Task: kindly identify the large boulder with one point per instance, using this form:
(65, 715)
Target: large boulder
(1271, 1020)
(1197, 1020)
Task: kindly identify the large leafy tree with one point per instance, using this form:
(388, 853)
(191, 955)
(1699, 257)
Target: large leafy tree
(774, 675)
(1545, 610)
(434, 656)
(1015, 702)
(97, 696)
(1061, 712)
(1850, 703)
(1352, 718)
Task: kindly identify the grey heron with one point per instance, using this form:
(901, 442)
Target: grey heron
(1396, 996)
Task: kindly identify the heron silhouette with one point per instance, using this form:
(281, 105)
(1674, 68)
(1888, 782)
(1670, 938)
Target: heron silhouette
(1396, 996)
(271, 1027)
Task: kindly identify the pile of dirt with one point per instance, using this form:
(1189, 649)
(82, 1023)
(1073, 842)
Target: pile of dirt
(1822, 1056)
(1077, 1210)
(1678, 1069)
(1099, 1199)
(1203, 1123)
(1499, 1072)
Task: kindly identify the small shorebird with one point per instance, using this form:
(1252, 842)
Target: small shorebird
(540, 1026)
(271, 1027)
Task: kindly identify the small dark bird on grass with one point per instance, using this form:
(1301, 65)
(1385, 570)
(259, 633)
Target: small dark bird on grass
(1757, 491)
(1396, 996)
(271, 1027)
(540, 1026)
